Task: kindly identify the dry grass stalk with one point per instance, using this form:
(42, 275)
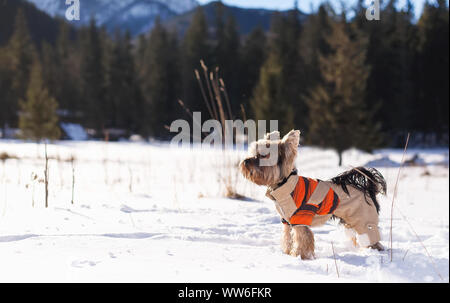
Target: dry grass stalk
(197, 75)
(244, 116)
(46, 176)
(335, 262)
(3, 157)
(5, 195)
(175, 196)
(130, 185)
(132, 221)
(3, 170)
(205, 73)
(216, 87)
(60, 171)
(19, 172)
(215, 84)
(188, 111)
(395, 195)
(227, 99)
(34, 179)
(421, 242)
(404, 256)
(72, 161)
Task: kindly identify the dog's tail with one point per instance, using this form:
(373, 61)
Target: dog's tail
(368, 180)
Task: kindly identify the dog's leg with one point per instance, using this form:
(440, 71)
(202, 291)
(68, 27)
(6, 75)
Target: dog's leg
(302, 242)
(286, 239)
(351, 234)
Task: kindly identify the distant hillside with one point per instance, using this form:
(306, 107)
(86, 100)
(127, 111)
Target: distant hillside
(139, 16)
(246, 19)
(40, 24)
(136, 16)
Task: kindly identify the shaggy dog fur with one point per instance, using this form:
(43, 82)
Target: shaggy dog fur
(298, 240)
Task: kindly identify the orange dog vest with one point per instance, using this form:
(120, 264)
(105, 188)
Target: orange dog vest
(301, 198)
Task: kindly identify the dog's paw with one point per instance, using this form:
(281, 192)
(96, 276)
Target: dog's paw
(308, 256)
(294, 253)
(286, 250)
(378, 246)
(302, 254)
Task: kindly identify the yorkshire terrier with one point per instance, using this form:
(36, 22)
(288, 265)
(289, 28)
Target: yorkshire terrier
(305, 202)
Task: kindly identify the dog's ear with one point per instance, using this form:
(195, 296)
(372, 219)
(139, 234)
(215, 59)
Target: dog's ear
(292, 138)
(275, 135)
(289, 145)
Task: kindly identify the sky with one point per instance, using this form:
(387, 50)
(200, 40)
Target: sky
(304, 5)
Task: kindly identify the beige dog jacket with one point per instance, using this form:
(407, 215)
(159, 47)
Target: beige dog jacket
(358, 214)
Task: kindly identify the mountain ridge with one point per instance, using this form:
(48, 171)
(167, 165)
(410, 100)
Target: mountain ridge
(136, 16)
(139, 16)
(247, 19)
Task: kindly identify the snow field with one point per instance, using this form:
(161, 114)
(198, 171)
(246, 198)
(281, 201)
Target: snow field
(151, 213)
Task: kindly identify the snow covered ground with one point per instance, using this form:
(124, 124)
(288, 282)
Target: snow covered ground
(149, 213)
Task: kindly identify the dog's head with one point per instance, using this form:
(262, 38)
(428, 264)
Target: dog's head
(271, 159)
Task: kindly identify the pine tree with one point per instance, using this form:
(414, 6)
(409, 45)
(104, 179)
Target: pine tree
(195, 47)
(50, 74)
(123, 91)
(405, 37)
(313, 42)
(5, 89)
(265, 102)
(226, 53)
(253, 56)
(391, 55)
(68, 91)
(231, 63)
(278, 94)
(159, 82)
(139, 53)
(93, 80)
(219, 28)
(21, 51)
(433, 66)
(38, 119)
(339, 117)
